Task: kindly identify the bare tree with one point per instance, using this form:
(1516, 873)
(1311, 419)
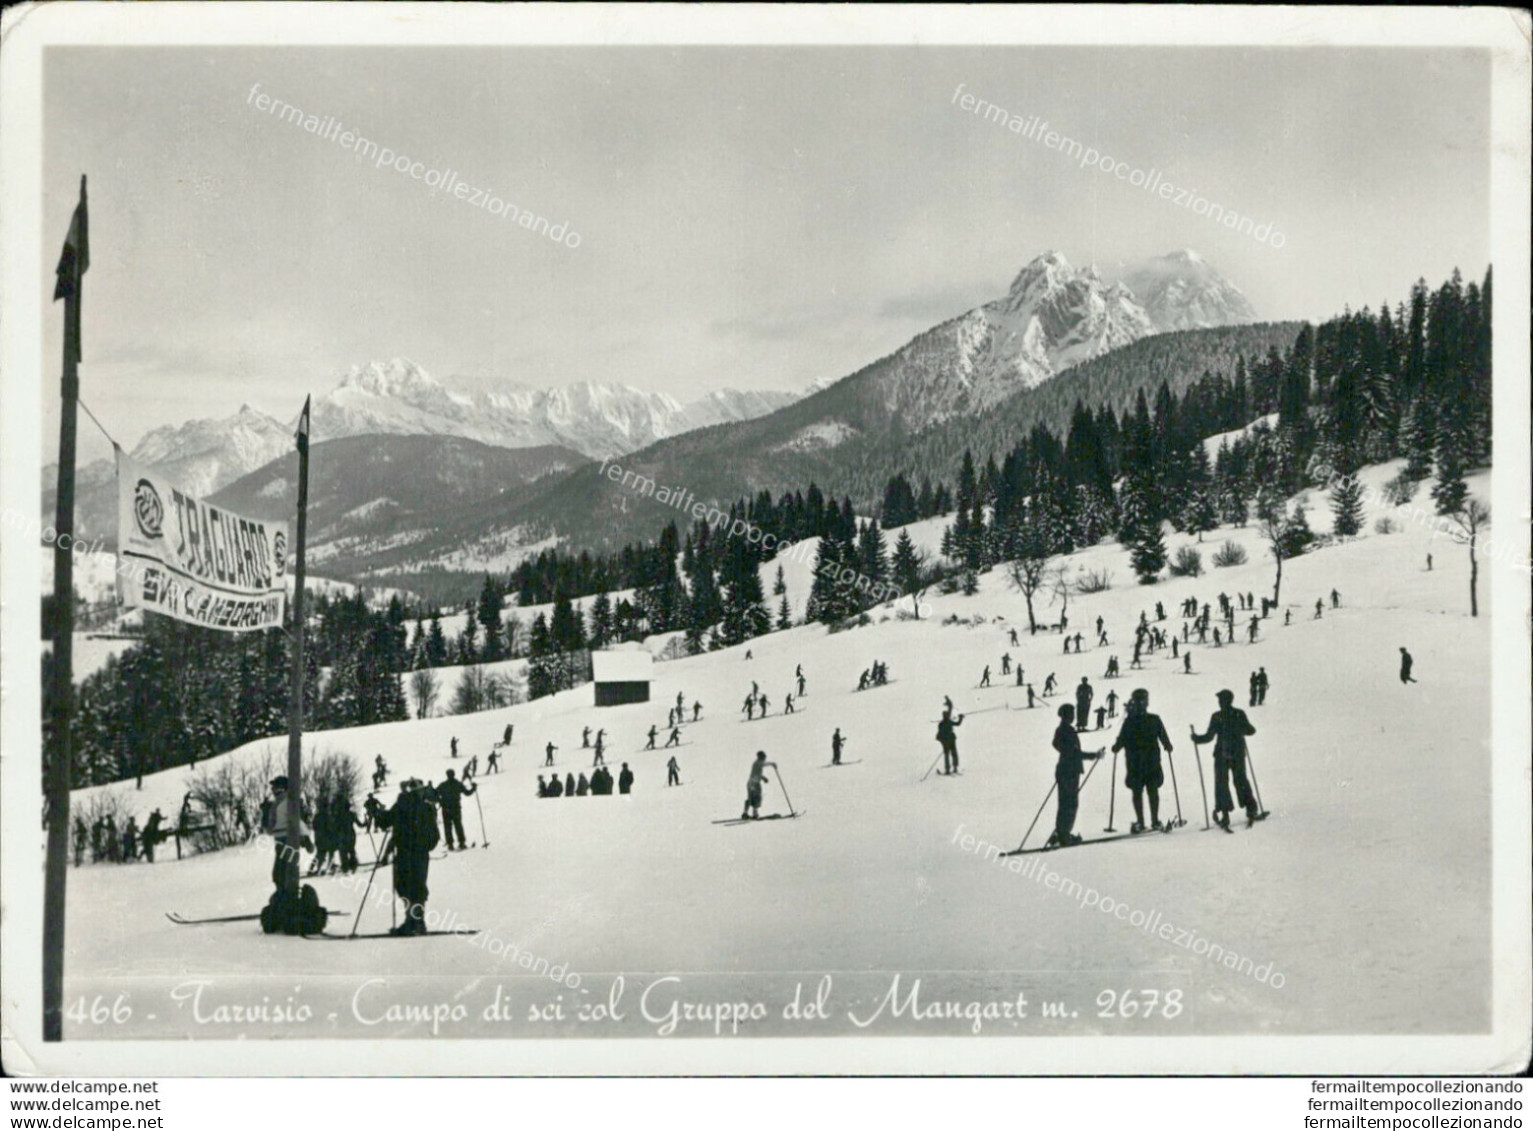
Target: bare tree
(1029, 575)
(1057, 579)
(1471, 517)
(425, 686)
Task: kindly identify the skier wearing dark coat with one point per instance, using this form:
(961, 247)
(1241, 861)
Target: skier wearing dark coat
(948, 738)
(1405, 667)
(1142, 737)
(413, 825)
(625, 780)
(450, 796)
(1228, 729)
(1067, 777)
(1083, 697)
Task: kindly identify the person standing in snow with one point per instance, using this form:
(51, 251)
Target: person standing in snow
(753, 784)
(1015, 644)
(569, 784)
(836, 742)
(654, 732)
(1083, 697)
(1067, 777)
(675, 739)
(1048, 686)
(413, 825)
(673, 772)
(947, 736)
(454, 746)
(1261, 687)
(697, 710)
(450, 795)
(287, 837)
(1405, 667)
(1228, 729)
(984, 679)
(625, 779)
(1142, 737)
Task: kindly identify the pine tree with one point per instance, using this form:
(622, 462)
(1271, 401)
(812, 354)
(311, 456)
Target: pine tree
(745, 614)
(491, 603)
(436, 643)
(1147, 552)
(1347, 505)
(601, 620)
(784, 613)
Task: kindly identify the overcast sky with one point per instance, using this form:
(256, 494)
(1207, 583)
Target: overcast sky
(755, 218)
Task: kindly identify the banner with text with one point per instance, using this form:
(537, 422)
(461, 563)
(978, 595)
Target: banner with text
(181, 556)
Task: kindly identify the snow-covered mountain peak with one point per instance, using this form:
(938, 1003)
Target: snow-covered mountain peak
(394, 378)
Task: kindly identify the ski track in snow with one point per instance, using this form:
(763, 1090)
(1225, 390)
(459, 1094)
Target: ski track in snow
(1368, 888)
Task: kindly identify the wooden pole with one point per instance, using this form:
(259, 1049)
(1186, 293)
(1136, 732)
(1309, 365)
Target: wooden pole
(295, 709)
(56, 787)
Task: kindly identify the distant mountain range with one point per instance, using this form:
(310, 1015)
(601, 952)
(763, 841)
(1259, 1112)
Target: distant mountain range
(498, 471)
(400, 398)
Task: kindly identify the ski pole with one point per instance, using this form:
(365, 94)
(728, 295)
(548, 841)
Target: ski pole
(1203, 789)
(484, 838)
(1038, 814)
(933, 766)
(1112, 798)
(791, 811)
(357, 922)
(1258, 789)
(1176, 793)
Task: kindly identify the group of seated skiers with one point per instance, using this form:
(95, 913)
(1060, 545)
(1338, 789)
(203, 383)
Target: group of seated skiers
(598, 784)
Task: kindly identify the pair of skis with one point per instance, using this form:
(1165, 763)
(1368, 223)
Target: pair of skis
(1169, 826)
(177, 917)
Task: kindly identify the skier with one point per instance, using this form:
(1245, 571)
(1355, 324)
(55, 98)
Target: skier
(130, 841)
(836, 742)
(472, 768)
(1319, 608)
(762, 699)
(673, 772)
(625, 779)
(274, 822)
(1015, 644)
(1335, 599)
(1218, 642)
(984, 679)
(1031, 699)
(1287, 617)
(1083, 697)
(1048, 686)
(1019, 675)
(585, 739)
(788, 704)
(380, 773)
(1112, 704)
(1101, 640)
(753, 784)
(1100, 623)
(675, 739)
(697, 710)
(1006, 663)
(151, 836)
(1187, 663)
(1067, 646)
(1406, 661)
(750, 707)
(454, 746)
(1067, 777)
(654, 731)
(947, 736)
(346, 824)
(798, 676)
(81, 837)
(1254, 693)
(1175, 646)
(1261, 687)
(1101, 717)
(1228, 728)
(1141, 737)
(1251, 630)
(599, 751)
(506, 738)
(582, 786)
(681, 701)
(1429, 563)
(450, 796)
(548, 754)
(862, 684)
(555, 787)
(542, 787)
(1136, 663)
(414, 836)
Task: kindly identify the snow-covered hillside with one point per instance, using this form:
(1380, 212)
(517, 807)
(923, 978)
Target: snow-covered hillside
(874, 878)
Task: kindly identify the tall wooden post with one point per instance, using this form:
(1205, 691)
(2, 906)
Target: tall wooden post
(71, 286)
(295, 709)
